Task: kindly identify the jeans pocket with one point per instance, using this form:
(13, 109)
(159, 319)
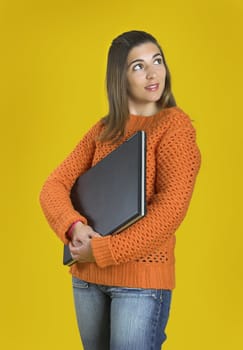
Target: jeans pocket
(77, 283)
(132, 292)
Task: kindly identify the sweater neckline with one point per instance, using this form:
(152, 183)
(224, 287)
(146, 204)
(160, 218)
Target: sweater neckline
(138, 121)
(160, 112)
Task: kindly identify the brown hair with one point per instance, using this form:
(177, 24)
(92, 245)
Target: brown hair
(116, 83)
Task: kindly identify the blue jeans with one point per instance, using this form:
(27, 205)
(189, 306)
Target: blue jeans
(118, 318)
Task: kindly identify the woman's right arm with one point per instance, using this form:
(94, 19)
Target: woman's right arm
(55, 194)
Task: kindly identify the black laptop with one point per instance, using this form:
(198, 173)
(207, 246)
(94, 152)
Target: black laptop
(112, 194)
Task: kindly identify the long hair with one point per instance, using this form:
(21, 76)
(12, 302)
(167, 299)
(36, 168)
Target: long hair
(116, 83)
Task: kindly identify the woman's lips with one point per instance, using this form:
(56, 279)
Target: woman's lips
(152, 87)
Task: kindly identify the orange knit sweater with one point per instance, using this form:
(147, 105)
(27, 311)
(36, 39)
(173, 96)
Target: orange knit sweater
(142, 255)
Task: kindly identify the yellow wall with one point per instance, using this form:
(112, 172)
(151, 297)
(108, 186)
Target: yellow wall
(53, 57)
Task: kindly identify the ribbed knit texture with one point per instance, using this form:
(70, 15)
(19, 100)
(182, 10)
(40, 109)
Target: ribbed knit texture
(143, 254)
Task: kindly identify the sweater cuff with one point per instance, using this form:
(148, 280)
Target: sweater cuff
(101, 247)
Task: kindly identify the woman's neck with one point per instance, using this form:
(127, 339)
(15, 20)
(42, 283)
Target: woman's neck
(145, 110)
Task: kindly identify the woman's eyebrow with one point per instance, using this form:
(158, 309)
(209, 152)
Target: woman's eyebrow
(141, 60)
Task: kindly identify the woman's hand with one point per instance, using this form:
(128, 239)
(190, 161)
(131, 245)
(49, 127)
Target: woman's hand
(80, 246)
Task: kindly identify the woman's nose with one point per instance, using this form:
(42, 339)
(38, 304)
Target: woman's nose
(151, 73)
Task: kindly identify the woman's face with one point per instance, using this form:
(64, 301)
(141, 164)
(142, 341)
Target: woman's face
(146, 78)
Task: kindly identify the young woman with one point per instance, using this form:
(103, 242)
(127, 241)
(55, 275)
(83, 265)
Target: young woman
(123, 283)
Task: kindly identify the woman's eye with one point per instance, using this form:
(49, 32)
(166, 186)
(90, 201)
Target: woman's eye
(138, 66)
(158, 61)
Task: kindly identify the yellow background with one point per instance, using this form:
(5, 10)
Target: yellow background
(53, 59)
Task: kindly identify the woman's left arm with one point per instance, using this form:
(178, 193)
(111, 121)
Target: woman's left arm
(178, 162)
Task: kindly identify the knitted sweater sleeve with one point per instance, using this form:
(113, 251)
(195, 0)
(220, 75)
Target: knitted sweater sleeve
(178, 162)
(55, 194)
